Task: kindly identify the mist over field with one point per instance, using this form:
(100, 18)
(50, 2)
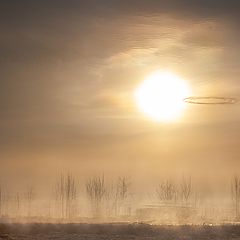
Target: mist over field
(119, 119)
(66, 198)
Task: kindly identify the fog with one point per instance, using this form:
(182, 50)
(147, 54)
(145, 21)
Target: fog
(68, 72)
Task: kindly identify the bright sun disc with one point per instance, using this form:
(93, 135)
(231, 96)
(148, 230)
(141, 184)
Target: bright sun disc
(161, 96)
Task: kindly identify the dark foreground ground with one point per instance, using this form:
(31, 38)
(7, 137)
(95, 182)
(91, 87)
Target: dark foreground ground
(116, 231)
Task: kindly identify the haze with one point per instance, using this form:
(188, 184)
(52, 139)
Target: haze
(68, 73)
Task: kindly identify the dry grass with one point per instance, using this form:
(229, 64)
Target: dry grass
(117, 231)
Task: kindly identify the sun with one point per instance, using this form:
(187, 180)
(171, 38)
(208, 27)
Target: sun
(161, 95)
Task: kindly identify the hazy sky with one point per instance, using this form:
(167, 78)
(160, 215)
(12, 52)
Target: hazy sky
(68, 70)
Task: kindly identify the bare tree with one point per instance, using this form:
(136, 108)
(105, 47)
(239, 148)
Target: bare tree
(109, 200)
(17, 200)
(96, 191)
(29, 195)
(71, 193)
(167, 191)
(122, 192)
(235, 191)
(186, 190)
(5, 200)
(66, 194)
(59, 193)
(0, 200)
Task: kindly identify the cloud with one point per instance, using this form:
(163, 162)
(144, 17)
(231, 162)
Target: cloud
(92, 30)
(63, 56)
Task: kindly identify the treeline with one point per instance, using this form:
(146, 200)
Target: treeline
(66, 201)
(99, 198)
(183, 193)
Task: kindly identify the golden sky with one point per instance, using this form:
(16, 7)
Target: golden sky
(69, 70)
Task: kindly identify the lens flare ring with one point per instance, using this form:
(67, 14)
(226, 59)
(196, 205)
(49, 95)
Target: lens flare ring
(211, 100)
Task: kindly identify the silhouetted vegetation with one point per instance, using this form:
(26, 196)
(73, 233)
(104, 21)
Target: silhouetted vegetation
(65, 195)
(235, 190)
(115, 199)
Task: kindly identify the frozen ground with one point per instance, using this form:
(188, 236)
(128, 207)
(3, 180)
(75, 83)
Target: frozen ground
(117, 231)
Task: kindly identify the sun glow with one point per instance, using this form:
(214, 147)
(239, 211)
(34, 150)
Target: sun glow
(161, 95)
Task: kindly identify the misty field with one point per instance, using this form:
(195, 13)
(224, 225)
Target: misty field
(117, 231)
(99, 200)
